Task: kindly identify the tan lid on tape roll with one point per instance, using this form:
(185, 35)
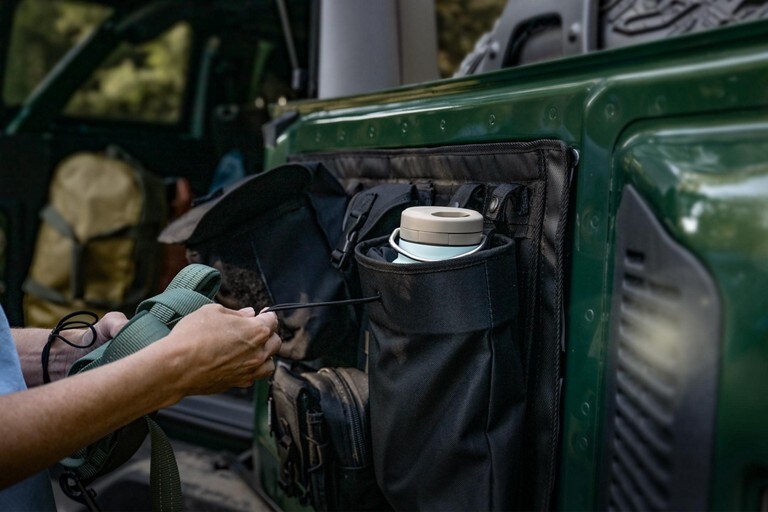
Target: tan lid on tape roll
(441, 225)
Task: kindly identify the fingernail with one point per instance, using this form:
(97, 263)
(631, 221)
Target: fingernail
(249, 310)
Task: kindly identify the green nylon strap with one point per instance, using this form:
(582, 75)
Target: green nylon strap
(166, 488)
(89, 461)
(192, 288)
(173, 304)
(201, 278)
(141, 331)
(84, 362)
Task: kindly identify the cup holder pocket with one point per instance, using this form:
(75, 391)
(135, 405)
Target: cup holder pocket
(447, 393)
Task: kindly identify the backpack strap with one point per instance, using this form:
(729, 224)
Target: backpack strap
(469, 195)
(503, 198)
(191, 289)
(51, 215)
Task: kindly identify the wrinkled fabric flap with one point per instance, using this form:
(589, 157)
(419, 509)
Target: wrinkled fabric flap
(237, 203)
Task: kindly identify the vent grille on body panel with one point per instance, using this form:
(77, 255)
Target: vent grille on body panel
(659, 406)
(645, 390)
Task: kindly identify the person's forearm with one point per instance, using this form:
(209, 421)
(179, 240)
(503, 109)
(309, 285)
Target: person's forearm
(42, 425)
(29, 345)
(207, 351)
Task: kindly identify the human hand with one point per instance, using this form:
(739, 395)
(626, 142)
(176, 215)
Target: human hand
(63, 355)
(105, 329)
(220, 348)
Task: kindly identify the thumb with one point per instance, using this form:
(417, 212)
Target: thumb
(247, 312)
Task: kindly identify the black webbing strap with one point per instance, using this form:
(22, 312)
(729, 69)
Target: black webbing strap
(365, 211)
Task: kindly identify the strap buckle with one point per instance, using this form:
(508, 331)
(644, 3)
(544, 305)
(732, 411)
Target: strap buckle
(340, 257)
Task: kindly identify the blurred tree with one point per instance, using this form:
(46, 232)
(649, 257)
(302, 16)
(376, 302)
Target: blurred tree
(139, 83)
(43, 32)
(459, 24)
(146, 82)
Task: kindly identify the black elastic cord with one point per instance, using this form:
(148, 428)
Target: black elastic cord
(300, 305)
(64, 324)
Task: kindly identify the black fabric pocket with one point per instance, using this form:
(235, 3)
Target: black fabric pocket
(320, 421)
(447, 390)
(347, 477)
(290, 401)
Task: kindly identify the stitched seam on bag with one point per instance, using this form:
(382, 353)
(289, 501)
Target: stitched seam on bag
(553, 416)
(490, 382)
(553, 353)
(559, 242)
(533, 316)
(539, 317)
(491, 149)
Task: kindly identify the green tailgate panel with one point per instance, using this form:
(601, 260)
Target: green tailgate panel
(685, 122)
(707, 180)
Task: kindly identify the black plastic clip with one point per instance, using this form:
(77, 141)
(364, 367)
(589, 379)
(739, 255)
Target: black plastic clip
(341, 255)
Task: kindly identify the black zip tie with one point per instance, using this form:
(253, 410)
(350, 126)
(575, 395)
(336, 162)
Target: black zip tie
(300, 305)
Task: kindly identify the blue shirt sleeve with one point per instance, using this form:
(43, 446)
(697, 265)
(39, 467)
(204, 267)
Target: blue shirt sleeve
(34, 493)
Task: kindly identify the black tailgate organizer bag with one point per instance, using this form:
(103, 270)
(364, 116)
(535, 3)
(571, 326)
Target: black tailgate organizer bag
(446, 380)
(431, 319)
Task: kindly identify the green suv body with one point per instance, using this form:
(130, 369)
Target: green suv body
(682, 124)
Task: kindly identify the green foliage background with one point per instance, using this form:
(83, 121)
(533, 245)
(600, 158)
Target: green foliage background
(142, 83)
(459, 25)
(146, 82)
(43, 32)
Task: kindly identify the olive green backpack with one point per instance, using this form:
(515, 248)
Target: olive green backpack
(96, 247)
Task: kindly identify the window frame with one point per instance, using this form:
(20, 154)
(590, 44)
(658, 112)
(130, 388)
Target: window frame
(13, 115)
